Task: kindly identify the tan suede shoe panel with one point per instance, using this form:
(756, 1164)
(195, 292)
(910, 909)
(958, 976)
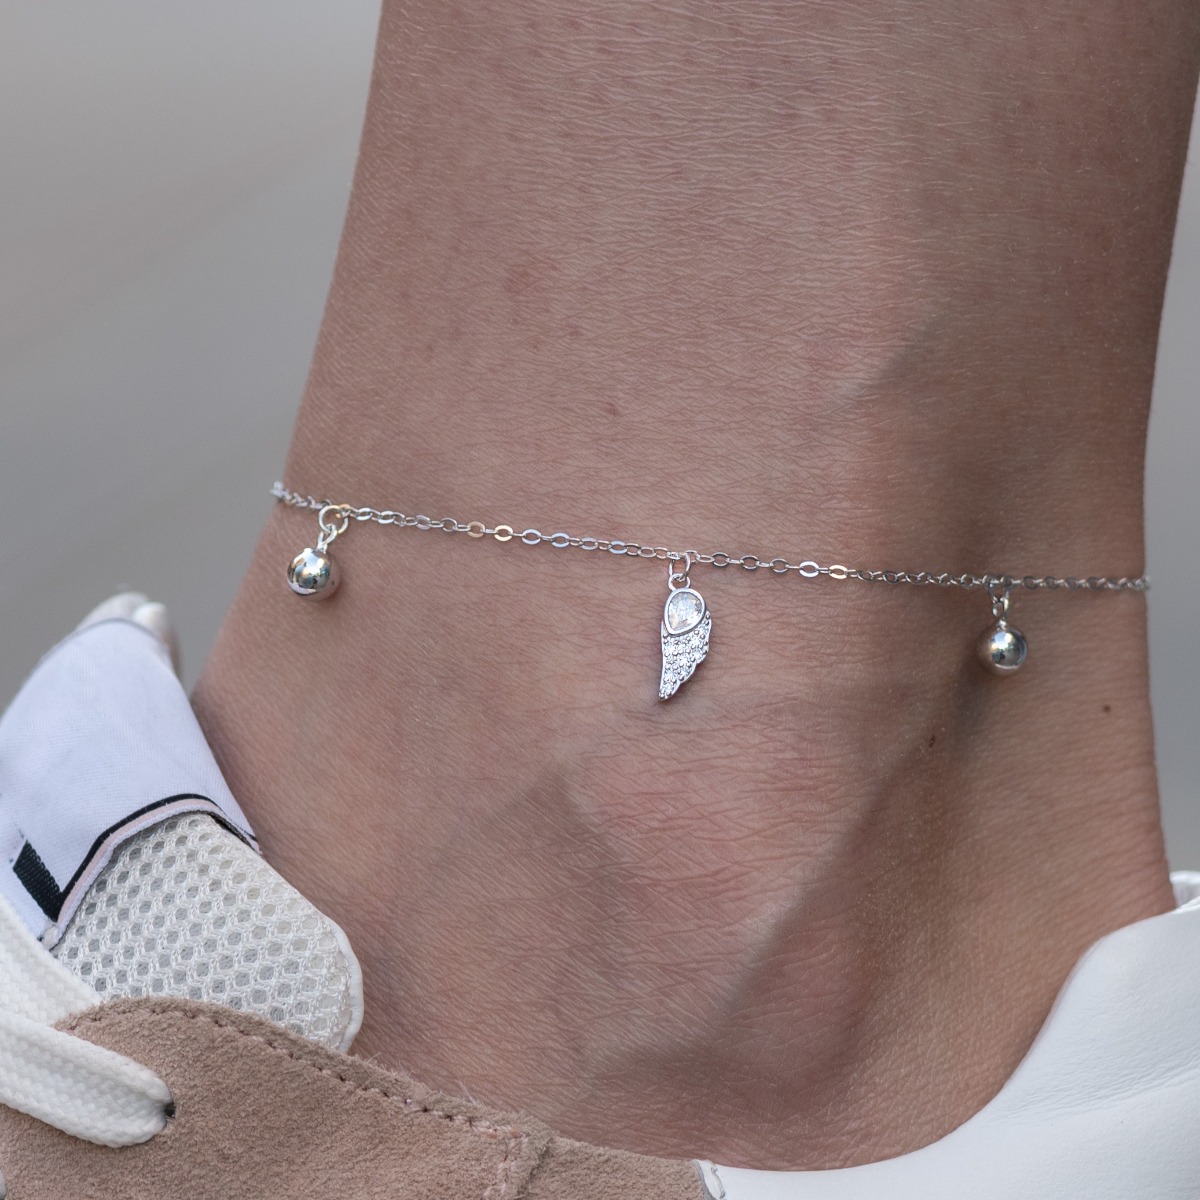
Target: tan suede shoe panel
(262, 1114)
(585, 1172)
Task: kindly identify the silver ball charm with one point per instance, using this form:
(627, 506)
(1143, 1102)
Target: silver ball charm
(1002, 649)
(313, 573)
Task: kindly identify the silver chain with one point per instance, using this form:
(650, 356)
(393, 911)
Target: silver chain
(335, 517)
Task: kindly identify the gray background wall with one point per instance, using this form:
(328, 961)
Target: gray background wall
(172, 183)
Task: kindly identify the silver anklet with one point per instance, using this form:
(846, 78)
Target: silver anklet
(686, 620)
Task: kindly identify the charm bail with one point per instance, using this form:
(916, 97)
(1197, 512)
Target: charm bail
(1002, 649)
(313, 572)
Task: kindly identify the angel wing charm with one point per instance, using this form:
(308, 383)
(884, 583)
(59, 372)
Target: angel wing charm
(686, 627)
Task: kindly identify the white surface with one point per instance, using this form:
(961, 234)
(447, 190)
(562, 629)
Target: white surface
(76, 1086)
(168, 903)
(186, 909)
(99, 744)
(173, 187)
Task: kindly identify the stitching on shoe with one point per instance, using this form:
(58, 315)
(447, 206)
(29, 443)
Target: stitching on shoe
(517, 1139)
(516, 1142)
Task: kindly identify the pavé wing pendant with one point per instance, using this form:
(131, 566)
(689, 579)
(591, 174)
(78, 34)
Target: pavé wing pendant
(686, 628)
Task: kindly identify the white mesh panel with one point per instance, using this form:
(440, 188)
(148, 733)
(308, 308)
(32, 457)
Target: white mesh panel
(186, 909)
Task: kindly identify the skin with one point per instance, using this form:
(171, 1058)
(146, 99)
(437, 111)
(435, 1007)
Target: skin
(868, 284)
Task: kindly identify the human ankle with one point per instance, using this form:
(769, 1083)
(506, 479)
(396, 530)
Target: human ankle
(813, 909)
(574, 899)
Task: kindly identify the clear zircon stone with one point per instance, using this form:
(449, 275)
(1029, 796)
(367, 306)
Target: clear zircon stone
(684, 611)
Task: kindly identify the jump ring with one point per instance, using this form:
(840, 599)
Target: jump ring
(330, 526)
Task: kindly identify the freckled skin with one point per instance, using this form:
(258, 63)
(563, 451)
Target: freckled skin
(873, 284)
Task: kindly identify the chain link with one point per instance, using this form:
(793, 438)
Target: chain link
(806, 569)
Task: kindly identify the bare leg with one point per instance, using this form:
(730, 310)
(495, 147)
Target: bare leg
(875, 283)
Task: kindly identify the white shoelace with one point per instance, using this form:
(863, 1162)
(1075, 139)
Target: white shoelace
(85, 1090)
